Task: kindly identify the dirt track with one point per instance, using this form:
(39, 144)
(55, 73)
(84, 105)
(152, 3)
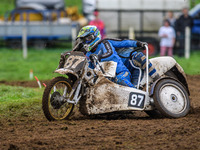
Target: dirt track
(136, 131)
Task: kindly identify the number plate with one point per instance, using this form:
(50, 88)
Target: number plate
(74, 62)
(136, 100)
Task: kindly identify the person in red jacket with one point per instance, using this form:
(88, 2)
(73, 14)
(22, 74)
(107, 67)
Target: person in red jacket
(99, 24)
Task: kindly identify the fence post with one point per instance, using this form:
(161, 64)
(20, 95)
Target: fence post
(24, 42)
(187, 42)
(74, 32)
(131, 33)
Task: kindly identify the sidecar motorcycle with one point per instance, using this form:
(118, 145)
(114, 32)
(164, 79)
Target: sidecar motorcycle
(94, 92)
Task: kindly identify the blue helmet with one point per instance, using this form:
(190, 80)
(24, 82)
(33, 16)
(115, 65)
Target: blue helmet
(90, 37)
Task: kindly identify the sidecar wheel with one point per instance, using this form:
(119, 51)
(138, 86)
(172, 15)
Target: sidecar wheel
(53, 106)
(171, 99)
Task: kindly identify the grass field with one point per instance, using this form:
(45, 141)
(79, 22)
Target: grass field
(191, 66)
(15, 67)
(44, 62)
(17, 101)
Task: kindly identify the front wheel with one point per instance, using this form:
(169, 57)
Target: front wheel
(53, 103)
(171, 99)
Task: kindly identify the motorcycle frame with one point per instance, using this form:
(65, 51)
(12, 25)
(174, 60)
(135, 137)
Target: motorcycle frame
(77, 89)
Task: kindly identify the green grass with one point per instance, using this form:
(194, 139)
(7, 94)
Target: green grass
(78, 3)
(5, 6)
(191, 66)
(44, 62)
(15, 101)
(193, 3)
(15, 67)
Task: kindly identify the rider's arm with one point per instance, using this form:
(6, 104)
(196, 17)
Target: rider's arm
(104, 51)
(118, 43)
(107, 50)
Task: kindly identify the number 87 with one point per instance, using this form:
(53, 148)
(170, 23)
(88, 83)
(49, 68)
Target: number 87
(135, 98)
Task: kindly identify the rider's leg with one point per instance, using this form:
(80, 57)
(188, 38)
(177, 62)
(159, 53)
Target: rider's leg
(135, 74)
(139, 60)
(124, 79)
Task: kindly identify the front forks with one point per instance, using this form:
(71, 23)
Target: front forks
(75, 93)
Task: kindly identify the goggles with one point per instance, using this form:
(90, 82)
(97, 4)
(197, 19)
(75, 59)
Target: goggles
(88, 38)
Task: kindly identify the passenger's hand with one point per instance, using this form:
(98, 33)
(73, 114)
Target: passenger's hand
(142, 44)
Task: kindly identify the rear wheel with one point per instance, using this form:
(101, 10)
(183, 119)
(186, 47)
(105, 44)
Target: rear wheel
(171, 99)
(53, 104)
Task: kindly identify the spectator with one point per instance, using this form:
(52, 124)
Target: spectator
(182, 22)
(167, 35)
(171, 18)
(99, 24)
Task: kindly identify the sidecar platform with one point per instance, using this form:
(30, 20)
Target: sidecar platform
(107, 96)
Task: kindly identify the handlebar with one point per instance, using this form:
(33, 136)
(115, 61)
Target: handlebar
(97, 61)
(140, 48)
(147, 68)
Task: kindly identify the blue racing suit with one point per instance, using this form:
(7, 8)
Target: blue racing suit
(106, 52)
(138, 59)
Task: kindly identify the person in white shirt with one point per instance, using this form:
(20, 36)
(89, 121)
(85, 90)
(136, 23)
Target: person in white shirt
(167, 35)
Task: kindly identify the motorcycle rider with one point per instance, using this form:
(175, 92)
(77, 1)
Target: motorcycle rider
(89, 41)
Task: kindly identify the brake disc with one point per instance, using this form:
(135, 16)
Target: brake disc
(56, 101)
